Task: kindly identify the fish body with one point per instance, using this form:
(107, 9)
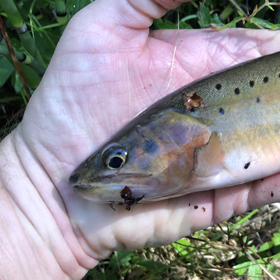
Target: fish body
(219, 131)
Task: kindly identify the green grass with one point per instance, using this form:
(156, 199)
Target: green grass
(240, 248)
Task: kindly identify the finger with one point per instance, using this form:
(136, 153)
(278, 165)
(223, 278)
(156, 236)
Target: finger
(114, 24)
(216, 49)
(166, 221)
(132, 14)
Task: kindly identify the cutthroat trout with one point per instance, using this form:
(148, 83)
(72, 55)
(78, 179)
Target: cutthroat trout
(219, 131)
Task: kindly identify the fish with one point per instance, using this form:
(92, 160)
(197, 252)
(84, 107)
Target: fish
(219, 131)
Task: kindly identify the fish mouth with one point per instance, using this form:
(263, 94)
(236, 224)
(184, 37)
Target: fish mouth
(109, 193)
(97, 187)
(108, 188)
(126, 175)
(77, 181)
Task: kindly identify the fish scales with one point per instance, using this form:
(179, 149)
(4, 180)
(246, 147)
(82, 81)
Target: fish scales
(228, 134)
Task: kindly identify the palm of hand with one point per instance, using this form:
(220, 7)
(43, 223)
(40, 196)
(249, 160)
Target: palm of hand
(101, 76)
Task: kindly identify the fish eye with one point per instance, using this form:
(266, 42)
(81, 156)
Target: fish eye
(113, 156)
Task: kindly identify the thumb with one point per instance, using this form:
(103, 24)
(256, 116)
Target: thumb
(112, 23)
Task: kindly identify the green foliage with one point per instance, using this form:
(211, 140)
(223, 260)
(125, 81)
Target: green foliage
(122, 263)
(221, 15)
(44, 32)
(149, 264)
(6, 70)
(264, 23)
(268, 251)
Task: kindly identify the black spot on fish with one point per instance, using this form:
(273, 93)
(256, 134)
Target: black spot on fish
(265, 79)
(218, 86)
(258, 100)
(237, 91)
(252, 83)
(221, 111)
(195, 207)
(150, 146)
(272, 194)
(247, 165)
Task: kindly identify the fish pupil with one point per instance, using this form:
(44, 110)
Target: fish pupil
(113, 156)
(115, 162)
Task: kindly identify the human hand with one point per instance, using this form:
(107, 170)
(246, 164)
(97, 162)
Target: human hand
(106, 69)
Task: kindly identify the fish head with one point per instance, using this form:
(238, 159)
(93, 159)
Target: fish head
(146, 161)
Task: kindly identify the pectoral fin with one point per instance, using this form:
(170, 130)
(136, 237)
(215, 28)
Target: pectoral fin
(209, 159)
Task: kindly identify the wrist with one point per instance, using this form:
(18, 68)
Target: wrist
(33, 220)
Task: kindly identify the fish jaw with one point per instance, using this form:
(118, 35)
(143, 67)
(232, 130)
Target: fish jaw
(108, 188)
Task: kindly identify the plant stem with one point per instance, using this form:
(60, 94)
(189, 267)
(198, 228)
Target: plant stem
(16, 63)
(21, 57)
(20, 27)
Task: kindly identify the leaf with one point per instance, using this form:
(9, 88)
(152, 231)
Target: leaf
(251, 25)
(188, 18)
(231, 24)
(240, 13)
(183, 247)
(184, 25)
(277, 256)
(121, 257)
(149, 264)
(241, 268)
(270, 7)
(265, 246)
(265, 23)
(95, 274)
(276, 239)
(204, 17)
(255, 271)
(246, 218)
(10, 99)
(272, 267)
(160, 24)
(216, 19)
(6, 69)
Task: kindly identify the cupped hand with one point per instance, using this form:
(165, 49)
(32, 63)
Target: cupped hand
(108, 67)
